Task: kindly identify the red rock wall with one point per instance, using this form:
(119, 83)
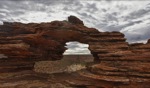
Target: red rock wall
(120, 62)
(21, 45)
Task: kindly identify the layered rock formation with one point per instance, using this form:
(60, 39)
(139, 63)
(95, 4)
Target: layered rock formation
(124, 63)
(21, 45)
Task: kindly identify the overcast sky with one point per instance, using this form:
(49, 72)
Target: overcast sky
(129, 17)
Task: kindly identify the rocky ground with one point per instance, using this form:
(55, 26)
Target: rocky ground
(88, 75)
(79, 79)
(49, 74)
(30, 79)
(69, 63)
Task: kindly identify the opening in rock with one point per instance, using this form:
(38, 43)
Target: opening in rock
(75, 58)
(76, 48)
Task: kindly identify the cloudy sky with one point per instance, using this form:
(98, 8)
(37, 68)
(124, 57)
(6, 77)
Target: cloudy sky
(129, 17)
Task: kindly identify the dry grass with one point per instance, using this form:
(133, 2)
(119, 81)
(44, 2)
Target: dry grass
(69, 63)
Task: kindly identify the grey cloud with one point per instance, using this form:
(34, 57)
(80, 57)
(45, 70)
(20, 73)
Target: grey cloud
(91, 7)
(104, 10)
(77, 48)
(132, 38)
(1, 16)
(121, 7)
(72, 6)
(48, 2)
(130, 20)
(107, 27)
(138, 32)
(14, 8)
(86, 16)
(22, 5)
(74, 45)
(139, 13)
(111, 17)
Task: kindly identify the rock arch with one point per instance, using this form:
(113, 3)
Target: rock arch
(21, 45)
(24, 44)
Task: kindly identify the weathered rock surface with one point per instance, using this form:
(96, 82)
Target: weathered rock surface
(125, 65)
(121, 62)
(23, 44)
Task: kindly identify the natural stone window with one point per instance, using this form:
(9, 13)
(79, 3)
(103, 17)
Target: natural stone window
(76, 48)
(75, 58)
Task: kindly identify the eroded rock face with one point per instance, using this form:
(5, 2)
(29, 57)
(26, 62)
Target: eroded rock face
(122, 63)
(21, 45)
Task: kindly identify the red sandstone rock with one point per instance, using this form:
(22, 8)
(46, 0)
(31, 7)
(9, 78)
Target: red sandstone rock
(21, 45)
(75, 20)
(148, 41)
